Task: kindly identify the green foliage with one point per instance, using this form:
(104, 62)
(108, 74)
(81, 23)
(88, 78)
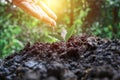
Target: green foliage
(107, 25)
(8, 33)
(17, 28)
(100, 18)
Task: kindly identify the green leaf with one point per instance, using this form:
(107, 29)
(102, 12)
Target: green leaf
(70, 32)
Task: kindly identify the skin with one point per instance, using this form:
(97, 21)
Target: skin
(37, 9)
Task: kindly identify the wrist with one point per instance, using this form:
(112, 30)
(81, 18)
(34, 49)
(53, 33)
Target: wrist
(16, 1)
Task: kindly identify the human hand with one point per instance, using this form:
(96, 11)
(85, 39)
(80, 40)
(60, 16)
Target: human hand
(37, 9)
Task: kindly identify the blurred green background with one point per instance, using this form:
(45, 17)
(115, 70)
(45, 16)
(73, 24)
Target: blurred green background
(97, 17)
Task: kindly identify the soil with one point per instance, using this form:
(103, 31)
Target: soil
(80, 58)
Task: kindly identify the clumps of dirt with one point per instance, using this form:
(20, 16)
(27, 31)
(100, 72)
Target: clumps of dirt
(80, 58)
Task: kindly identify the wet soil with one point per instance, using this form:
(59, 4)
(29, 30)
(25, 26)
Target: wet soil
(80, 58)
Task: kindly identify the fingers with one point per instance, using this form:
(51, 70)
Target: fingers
(36, 11)
(46, 18)
(48, 10)
(26, 6)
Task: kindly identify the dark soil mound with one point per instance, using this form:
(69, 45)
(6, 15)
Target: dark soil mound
(80, 58)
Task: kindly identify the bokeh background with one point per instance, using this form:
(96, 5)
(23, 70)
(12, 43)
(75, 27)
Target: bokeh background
(93, 17)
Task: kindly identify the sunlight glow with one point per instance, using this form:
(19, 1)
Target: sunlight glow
(56, 5)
